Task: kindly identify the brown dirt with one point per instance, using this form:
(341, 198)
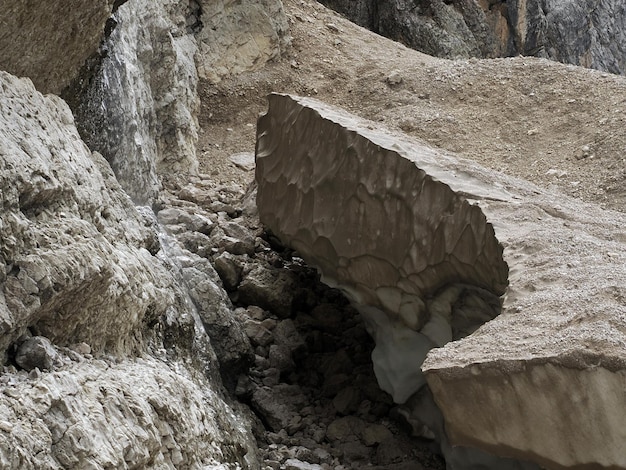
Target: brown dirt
(552, 124)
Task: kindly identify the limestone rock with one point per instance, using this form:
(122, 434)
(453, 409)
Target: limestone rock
(133, 413)
(572, 32)
(50, 41)
(35, 352)
(138, 103)
(271, 289)
(239, 36)
(74, 258)
(79, 266)
(382, 216)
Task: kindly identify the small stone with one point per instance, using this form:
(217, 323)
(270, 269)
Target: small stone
(583, 152)
(375, 434)
(347, 400)
(280, 358)
(229, 270)
(243, 160)
(394, 78)
(333, 27)
(81, 348)
(258, 334)
(295, 464)
(533, 131)
(36, 352)
(389, 452)
(344, 429)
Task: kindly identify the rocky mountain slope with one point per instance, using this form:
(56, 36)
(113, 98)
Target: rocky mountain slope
(180, 334)
(589, 34)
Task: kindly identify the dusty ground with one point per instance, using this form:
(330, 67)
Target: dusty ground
(546, 122)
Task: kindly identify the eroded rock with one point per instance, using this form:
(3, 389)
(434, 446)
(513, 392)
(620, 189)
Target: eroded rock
(81, 266)
(75, 257)
(373, 210)
(50, 41)
(568, 31)
(239, 36)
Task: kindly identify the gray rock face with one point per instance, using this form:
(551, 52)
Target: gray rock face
(515, 386)
(137, 103)
(137, 413)
(75, 259)
(50, 41)
(239, 36)
(78, 268)
(585, 33)
(35, 352)
(139, 110)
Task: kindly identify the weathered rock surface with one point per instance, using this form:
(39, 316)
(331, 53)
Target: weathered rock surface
(139, 106)
(239, 36)
(50, 41)
(591, 34)
(586, 33)
(104, 413)
(542, 381)
(137, 101)
(75, 255)
(82, 268)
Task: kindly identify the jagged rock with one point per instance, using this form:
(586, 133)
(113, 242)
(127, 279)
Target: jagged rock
(239, 36)
(274, 404)
(580, 33)
(382, 216)
(137, 104)
(74, 257)
(568, 31)
(192, 222)
(295, 464)
(258, 334)
(215, 310)
(140, 413)
(50, 41)
(77, 266)
(36, 352)
(271, 289)
(230, 270)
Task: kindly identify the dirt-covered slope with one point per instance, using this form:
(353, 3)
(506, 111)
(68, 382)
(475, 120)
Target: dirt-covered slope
(553, 124)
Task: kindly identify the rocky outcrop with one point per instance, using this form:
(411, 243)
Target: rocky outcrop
(86, 287)
(239, 36)
(49, 42)
(388, 220)
(140, 107)
(137, 101)
(587, 33)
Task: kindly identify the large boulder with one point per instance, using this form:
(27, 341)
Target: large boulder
(50, 41)
(428, 248)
